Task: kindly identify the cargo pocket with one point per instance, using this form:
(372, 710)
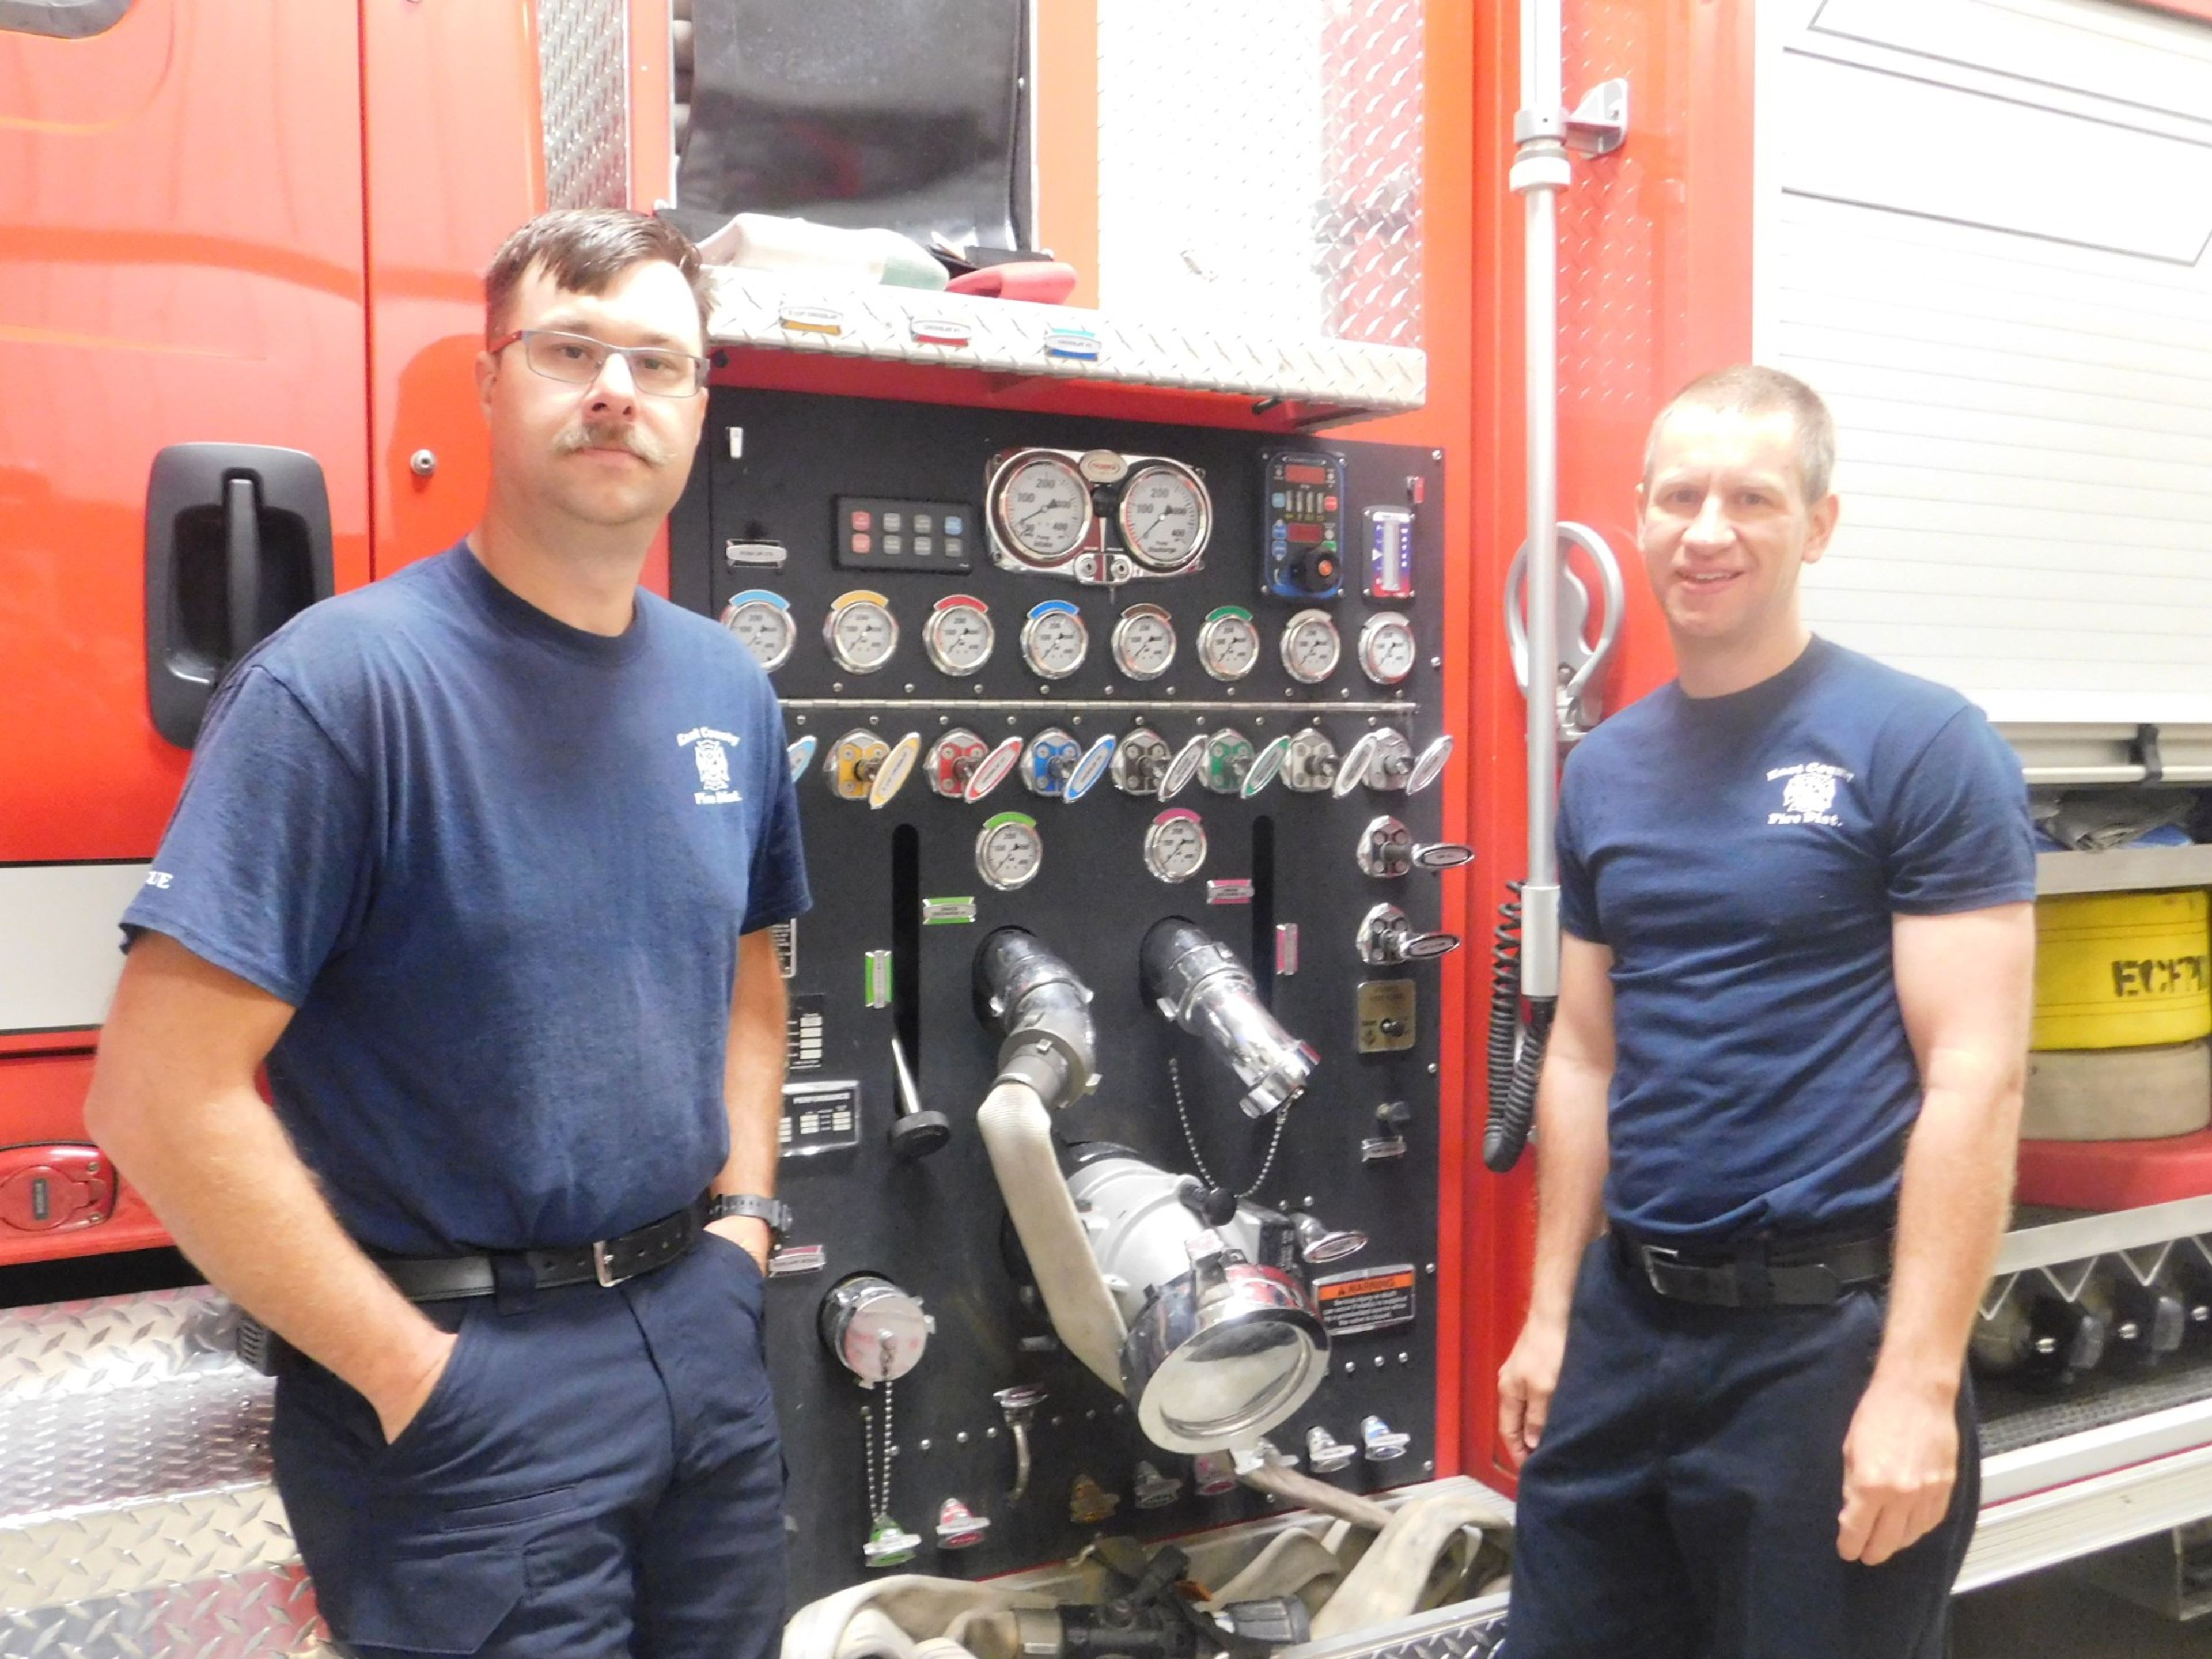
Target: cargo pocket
(444, 1594)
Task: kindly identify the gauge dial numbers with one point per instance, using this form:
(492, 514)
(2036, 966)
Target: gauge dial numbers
(1175, 844)
(1311, 646)
(958, 636)
(1228, 644)
(1054, 640)
(1387, 649)
(1143, 642)
(762, 621)
(1009, 851)
(1165, 516)
(1040, 508)
(860, 631)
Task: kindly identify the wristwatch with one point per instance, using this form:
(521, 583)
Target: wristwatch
(773, 1211)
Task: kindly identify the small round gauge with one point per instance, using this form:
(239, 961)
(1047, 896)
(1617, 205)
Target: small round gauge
(1054, 641)
(1040, 508)
(1310, 647)
(958, 636)
(763, 626)
(861, 632)
(1387, 649)
(1143, 642)
(1009, 851)
(1229, 643)
(1165, 516)
(1175, 846)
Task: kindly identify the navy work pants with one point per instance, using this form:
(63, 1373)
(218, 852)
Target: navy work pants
(1683, 1501)
(596, 1475)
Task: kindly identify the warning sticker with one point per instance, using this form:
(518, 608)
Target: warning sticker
(1374, 1300)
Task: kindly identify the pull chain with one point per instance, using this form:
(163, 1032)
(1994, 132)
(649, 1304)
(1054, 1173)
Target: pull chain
(889, 1545)
(1190, 1140)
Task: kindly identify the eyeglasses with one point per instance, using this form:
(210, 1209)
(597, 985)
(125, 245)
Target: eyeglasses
(580, 360)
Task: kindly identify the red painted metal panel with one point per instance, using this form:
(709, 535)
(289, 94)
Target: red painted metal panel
(182, 261)
(453, 162)
(1654, 288)
(41, 1102)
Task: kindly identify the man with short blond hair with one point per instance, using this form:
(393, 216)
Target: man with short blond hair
(1778, 1114)
(481, 861)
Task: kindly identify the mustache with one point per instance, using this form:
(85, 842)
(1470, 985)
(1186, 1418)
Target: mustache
(614, 434)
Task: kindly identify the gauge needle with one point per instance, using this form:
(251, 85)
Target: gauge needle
(1025, 523)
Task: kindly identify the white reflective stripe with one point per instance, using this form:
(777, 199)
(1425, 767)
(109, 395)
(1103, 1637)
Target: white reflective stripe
(59, 951)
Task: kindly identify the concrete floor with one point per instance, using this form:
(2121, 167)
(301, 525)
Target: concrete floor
(2053, 1615)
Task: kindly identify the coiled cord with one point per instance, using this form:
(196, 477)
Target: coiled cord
(1516, 1056)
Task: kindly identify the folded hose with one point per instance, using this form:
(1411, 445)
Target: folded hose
(1017, 1133)
(1281, 1481)
(1517, 1058)
(1388, 1583)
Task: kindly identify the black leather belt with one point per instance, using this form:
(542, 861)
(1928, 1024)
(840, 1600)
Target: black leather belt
(607, 1262)
(1757, 1272)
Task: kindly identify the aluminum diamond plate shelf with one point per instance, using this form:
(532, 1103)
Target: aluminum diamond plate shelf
(1325, 380)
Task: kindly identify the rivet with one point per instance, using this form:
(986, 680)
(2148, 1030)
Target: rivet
(422, 463)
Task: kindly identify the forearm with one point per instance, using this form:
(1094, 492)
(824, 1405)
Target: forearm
(1951, 1211)
(222, 1175)
(753, 1084)
(1572, 1160)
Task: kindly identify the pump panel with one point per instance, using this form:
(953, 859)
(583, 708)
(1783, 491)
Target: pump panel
(1075, 842)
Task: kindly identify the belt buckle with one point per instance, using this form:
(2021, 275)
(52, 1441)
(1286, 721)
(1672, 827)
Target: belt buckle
(602, 1266)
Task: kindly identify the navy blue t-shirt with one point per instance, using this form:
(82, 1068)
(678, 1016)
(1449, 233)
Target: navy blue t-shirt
(1742, 857)
(500, 866)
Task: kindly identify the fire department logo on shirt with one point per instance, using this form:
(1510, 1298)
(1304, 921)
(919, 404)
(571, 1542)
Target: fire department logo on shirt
(1808, 792)
(710, 752)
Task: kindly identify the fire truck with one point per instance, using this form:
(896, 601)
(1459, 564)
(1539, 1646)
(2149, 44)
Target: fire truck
(1218, 782)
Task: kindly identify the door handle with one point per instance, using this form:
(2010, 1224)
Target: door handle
(238, 541)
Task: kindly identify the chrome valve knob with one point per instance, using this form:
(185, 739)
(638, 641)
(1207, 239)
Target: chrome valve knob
(1388, 939)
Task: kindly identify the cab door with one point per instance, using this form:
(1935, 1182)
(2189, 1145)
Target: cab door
(181, 329)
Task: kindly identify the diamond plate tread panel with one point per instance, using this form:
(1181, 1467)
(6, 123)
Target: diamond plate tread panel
(752, 308)
(583, 48)
(1462, 1631)
(73, 1555)
(253, 1615)
(116, 1342)
(2012, 1423)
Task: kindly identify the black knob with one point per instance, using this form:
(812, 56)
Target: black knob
(918, 1135)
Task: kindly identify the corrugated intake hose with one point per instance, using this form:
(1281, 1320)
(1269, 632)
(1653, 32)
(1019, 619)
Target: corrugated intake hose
(1017, 1132)
(1516, 1059)
(1388, 1583)
(1307, 1493)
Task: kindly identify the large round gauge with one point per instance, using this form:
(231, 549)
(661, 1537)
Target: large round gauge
(762, 621)
(1175, 846)
(860, 631)
(1009, 851)
(1387, 649)
(1143, 642)
(1054, 641)
(1040, 508)
(1229, 643)
(958, 636)
(1165, 516)
(1311, 646)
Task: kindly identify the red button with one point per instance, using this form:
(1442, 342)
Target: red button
(1329, 503)
(862, 540)
(859, 518)
(1324, 569)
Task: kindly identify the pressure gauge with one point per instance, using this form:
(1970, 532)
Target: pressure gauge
(1387, 647)
(1143, 642)
(1054, 639)
(1310, 647)
(958, 636)
(1009, 851)
(1229, 643)
(762, 621)
(1165, 516)
(860, 631)
(1175, 846)
(1039, 507)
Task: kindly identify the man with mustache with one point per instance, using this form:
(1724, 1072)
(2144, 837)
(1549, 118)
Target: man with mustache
(480, 861)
